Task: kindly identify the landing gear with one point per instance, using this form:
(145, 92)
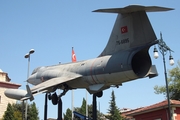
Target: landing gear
(99, 94)
(56, 99)
(49, 96)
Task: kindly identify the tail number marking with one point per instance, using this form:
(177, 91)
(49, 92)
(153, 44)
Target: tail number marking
(123, 41)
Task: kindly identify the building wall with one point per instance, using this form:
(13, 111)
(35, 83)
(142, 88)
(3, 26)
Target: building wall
(5, 84)
(4, 102)
(155, 115)
(4, 76)
(177, 113)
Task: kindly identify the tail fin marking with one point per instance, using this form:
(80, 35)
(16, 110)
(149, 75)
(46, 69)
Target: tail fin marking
(132, 28)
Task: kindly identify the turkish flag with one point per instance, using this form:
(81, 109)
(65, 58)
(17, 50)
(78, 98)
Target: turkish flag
(73, 55)
(124, 29)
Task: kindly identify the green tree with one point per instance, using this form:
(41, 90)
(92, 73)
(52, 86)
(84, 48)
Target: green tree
(113, 111)
(9, 113)
(16, 111)
(17, 108)
(18, 115)
(68, 115)
(33, 112)
(100, 116)
(82, 110)
(83, 107)
(173, 84)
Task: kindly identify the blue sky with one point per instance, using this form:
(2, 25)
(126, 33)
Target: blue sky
(53, 27)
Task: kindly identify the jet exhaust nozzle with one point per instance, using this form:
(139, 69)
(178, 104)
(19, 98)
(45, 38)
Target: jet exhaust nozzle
(141, 63)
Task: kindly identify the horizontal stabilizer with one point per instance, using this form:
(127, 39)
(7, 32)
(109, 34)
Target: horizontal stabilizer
(134, 8)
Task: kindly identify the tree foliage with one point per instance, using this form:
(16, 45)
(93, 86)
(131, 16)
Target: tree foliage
(17, 108)
(9, 113)
(16, 112)
(33, 112)
(100, 116)
(82, 110)
(18, 115)
(173, 84)
(68, 115)
(113, 110)
(83, 107)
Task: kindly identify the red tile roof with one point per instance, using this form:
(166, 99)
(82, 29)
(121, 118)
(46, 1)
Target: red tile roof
(126, 113)
(154, 107)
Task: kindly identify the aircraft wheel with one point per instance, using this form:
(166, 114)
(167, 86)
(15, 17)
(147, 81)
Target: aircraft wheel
(54, 99)
(99, 94)
(49, 96)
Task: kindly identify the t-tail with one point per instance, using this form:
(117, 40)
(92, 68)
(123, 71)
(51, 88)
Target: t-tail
(132, 28)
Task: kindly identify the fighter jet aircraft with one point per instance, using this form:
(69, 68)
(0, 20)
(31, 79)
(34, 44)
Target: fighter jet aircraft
(125, 58)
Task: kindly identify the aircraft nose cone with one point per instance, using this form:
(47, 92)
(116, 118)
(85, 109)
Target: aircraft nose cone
(31, 79)
(28, 80)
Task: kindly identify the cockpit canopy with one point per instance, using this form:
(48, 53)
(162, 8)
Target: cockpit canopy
(35, 70)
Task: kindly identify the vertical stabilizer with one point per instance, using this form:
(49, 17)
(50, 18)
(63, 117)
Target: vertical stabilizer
(132, 28)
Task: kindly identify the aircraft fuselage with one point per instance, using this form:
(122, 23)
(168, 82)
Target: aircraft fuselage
(106, 71)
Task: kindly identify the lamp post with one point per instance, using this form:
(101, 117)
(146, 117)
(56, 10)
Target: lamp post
(163, 48)
(28, 56)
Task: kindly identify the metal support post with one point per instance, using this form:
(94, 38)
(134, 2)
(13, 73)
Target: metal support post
(59, 109)
(94, 112)
(45, 107)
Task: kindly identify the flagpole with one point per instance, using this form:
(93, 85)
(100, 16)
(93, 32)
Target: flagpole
(72, 103)
(72, 92)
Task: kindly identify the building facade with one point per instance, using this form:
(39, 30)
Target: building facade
(5, 84)
(158, 111)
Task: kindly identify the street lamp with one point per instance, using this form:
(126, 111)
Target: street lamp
(28, 56)
(163, 48)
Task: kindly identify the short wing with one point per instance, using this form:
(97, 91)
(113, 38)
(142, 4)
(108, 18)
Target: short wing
(53, 83)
